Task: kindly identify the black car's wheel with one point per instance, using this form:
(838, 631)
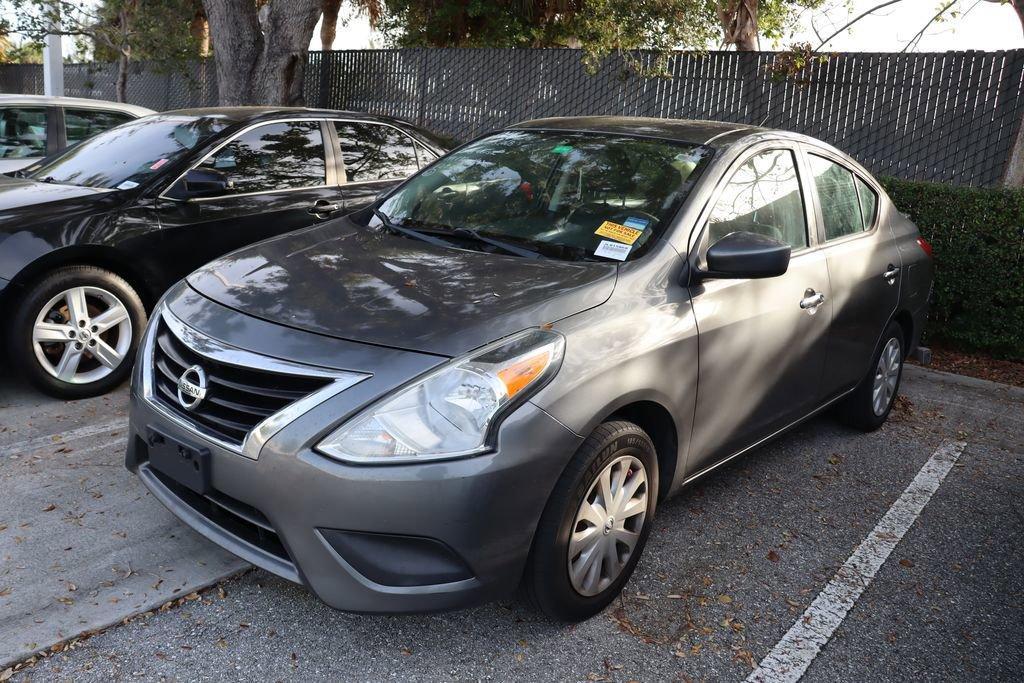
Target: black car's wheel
(75, 332)
(595, 524)
(868, 407)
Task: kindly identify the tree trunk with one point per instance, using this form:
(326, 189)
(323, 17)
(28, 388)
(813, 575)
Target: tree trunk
(122, 74)
(739, 23)
(199, 29)
(329, 28)
(261, 65)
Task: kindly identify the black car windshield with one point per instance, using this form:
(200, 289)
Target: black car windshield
(567, 195)
(125, 156)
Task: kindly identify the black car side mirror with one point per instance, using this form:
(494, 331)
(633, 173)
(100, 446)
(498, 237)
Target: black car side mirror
(746, 255)
(204, 182)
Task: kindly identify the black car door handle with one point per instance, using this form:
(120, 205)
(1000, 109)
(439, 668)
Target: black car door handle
(891, 273)
(323, 207)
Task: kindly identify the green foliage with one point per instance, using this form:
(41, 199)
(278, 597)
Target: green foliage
(599, 27)
(978, 241)
(156, 30)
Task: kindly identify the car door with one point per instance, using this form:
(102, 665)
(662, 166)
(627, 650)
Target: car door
(27, 134)
(761, 342)
(863, 265)
(374, 157)
(271, 178)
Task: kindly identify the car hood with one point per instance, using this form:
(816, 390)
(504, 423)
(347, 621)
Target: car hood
(20, 194)
(359, 284)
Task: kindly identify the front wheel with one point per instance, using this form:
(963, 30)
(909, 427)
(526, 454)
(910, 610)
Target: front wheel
(868, 406)
(595, 525)
(76, 331)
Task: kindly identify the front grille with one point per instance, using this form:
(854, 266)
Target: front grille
(237, 398)
(233, 516)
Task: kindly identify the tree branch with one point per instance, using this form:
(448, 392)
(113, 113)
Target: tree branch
(855, 20)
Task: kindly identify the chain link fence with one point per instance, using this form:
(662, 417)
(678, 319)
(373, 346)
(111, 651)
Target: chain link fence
(194, 85)
(950, 117)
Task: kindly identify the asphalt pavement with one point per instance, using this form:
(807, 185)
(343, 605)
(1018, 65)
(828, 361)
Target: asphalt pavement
(735, 562)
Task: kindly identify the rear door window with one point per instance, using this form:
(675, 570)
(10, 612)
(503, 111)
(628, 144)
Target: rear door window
(375, 152)
(273, 156)
(22, 132)
(837, 194)
(868, 203)
(763, 196)
(81, 124)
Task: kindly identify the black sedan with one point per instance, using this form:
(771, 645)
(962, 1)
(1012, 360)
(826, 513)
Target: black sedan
(91, 238)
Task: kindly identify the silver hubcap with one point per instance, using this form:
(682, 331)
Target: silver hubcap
(607, 525)
(82, 335)
(886, 375)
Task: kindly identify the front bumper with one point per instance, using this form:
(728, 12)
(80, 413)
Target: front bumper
(279, 512)
(395, 538)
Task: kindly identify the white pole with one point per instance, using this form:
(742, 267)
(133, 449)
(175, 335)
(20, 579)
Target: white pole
(53, 65)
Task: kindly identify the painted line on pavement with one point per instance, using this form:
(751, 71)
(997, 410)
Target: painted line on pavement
(28, 445)
(791, 657)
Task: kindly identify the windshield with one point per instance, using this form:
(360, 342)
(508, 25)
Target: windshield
(568, 195)
(125, 156)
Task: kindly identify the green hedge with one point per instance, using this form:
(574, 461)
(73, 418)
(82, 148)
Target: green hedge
(976, 235)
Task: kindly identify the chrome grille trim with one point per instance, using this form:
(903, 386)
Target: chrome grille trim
(218, 351)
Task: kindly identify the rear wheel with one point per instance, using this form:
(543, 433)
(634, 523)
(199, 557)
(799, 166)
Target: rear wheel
(75, 333)
(868, 407)
(595, 525)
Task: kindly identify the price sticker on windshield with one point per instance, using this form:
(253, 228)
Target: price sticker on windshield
(613, 250)
(619, 233)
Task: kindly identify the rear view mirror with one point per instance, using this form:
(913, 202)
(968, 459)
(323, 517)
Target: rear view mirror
(746, 255)
(205, 182)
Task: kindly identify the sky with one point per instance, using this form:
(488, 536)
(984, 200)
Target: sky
(982, 25)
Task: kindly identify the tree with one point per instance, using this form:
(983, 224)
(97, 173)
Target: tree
(118, 30)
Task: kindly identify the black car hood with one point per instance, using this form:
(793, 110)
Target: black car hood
(357, 283)
(19, 194)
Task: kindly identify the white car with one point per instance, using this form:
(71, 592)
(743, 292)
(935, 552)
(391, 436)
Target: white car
(34, 126)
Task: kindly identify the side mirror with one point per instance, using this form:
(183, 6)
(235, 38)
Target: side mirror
(746, 255)
(204, 182)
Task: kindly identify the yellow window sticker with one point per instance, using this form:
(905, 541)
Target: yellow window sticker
(619, 233)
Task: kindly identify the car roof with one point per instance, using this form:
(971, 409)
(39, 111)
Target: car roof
(711, 133)
(47, 100)
(258, 113)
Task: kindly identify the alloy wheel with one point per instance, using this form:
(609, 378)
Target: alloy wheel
(82, 335)
(607, 526)
(887, 374)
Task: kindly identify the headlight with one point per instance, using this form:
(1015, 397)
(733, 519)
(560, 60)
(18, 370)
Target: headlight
(448, 413)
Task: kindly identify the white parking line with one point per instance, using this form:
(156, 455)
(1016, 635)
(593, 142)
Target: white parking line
(790, 658)
(32, 444)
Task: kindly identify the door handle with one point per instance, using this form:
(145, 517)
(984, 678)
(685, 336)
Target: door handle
(812, 300)
(323, 207)
(891, 274)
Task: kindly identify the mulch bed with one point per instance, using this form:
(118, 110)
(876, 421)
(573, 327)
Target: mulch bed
(978, 365)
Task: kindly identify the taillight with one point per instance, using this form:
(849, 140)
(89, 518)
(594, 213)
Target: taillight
(925, 247)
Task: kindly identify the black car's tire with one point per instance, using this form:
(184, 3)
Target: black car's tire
(619, 447)
(101, 355)
(865, 408)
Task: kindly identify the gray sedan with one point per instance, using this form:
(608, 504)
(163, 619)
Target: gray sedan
(494, 374)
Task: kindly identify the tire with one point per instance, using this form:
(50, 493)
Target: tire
(547, 580)
(860, 410)
(42, 317)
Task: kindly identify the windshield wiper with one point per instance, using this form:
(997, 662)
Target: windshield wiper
(508, 247)
(477, 236)
(408, 232)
